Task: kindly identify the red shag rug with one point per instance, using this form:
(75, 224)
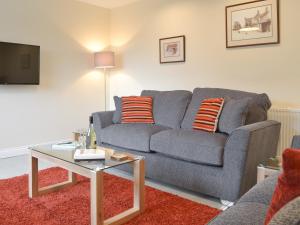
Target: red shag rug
(70, 206)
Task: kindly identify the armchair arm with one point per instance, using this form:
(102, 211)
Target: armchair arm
(246, 148)
(102, 120)
(296, 142)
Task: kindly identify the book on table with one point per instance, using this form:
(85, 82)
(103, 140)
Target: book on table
(89, 154)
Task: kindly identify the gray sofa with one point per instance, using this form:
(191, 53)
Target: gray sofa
(221, 164)
(252, 208)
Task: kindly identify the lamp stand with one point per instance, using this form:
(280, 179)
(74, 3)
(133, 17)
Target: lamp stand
(105, 89)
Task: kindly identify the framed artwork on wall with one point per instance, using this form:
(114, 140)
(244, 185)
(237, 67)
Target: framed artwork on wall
(252, 23)
(172, 49)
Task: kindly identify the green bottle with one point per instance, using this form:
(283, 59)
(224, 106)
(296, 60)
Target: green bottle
(92, 135)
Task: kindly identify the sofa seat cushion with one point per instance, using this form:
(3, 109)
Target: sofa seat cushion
(131, 136)
(193, 146)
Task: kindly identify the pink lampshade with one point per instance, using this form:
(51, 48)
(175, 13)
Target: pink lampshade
(104, 59)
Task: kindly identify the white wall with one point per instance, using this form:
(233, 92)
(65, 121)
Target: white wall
(136, 28)
(68, 32)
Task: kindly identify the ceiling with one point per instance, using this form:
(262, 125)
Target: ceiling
(108, 3)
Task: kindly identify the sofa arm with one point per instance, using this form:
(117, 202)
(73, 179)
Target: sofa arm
(102, 120)
(296, 142)
(246, 148)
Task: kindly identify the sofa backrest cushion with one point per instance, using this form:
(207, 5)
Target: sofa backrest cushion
(257, 111)
(118, 112)
(169, 106)
(233, 115)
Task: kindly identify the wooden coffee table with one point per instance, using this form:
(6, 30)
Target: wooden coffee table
(93, 170)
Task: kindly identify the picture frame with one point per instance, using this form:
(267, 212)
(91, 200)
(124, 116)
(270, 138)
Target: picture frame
(252, 23)
(172, 49)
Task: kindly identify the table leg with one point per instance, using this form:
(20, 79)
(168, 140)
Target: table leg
(97, 214)
(72, 177)
(33, 186)
(33, 177)
(139, 199)
(139, 184)
(260, 174)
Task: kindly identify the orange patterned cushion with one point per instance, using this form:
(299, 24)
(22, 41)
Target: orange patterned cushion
(137, 110)
(208, 114)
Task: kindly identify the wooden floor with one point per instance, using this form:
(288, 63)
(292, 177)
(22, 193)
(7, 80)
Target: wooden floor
(16, 166)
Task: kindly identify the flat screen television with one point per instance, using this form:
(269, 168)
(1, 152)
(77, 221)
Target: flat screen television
(19, 64)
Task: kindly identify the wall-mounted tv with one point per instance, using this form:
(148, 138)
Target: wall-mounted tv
(19, 64)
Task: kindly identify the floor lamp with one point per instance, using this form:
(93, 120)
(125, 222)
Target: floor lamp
(105, 60)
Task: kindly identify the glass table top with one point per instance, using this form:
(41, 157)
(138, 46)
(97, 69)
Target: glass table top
(67, 155)
(272, 163)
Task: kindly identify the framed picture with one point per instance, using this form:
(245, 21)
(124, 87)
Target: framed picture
(252, 23)
(172, 49)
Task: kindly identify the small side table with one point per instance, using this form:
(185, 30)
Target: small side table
(265, 171)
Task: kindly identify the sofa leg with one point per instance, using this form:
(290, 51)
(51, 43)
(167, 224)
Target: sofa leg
(226, 204)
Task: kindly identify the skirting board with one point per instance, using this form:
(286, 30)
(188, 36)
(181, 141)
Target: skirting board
(23, 150)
